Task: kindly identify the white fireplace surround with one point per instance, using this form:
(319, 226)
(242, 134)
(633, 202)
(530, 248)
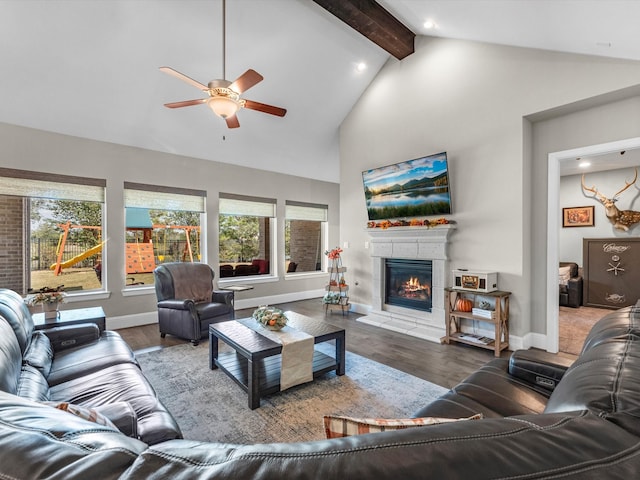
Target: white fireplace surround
(419, 243)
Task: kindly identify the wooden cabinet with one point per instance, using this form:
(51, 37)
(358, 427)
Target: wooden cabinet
(337, 290)
(611, 271)
(496, 312)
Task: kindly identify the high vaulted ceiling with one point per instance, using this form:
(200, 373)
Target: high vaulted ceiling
(90, 68)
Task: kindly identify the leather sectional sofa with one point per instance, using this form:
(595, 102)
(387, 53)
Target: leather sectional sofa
(79, 365)
(543, 418)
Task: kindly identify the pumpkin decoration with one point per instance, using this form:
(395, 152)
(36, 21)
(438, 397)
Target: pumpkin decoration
(464, 304)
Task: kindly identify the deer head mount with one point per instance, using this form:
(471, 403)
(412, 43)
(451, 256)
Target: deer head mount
(621, 219)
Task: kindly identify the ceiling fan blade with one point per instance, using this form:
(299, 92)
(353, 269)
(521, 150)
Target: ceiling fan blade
(245, 81)
(232, 122)
(184, 78)
(185, 103)
(263, 107)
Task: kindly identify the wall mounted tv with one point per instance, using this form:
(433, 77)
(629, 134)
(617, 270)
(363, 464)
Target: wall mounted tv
(415, 188)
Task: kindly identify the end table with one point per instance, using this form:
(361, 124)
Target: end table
(72, 317)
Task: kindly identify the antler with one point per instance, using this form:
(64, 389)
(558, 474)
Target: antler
(594, 189)
(627, 185)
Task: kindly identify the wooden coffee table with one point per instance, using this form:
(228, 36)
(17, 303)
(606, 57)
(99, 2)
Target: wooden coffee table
(254, 363)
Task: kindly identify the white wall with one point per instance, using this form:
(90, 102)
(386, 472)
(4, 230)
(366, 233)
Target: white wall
(608, 183)
(468, 99)
(29, 149)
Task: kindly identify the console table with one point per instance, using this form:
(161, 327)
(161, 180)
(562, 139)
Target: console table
(72, 317)
(499, 317)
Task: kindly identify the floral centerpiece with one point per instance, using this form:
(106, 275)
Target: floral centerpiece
(333, 254)
(270, 317)
(48, 298)
(46, 295)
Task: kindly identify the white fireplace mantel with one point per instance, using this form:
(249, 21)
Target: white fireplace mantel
(421, 243)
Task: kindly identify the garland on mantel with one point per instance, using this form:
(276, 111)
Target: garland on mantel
(384, 224)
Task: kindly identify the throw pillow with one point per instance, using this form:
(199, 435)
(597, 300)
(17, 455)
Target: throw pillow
(85, 413)
(341, 426)
(564, 274)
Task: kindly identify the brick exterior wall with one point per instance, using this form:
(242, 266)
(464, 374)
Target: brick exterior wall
(305, 244)
(12, 245)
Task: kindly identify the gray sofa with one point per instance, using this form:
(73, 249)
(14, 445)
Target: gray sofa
(543, 418)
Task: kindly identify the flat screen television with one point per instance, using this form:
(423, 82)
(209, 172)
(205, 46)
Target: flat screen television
(414, 188)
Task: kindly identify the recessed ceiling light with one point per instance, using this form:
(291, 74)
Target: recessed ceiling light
(430, 24)
(361, 67)
(584, 164)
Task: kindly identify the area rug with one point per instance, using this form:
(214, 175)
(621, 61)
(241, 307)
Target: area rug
(209, 406)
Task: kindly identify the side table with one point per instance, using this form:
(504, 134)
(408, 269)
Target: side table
(72, 317)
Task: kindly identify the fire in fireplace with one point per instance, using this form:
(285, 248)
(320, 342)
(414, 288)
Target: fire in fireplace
(408, 283)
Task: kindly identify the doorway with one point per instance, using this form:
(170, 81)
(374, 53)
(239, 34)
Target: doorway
(555, 161)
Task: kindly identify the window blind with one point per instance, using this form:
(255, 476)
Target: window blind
(248, 206)
(306, 211)
(22, 183)
(163, 198)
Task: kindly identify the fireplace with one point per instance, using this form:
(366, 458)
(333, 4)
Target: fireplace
(412, 244)
(408, 283)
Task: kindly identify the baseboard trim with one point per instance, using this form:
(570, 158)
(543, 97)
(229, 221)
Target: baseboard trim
(146, 318)
(535, 340)
(530, 340)
(275, 299)
(135, 320)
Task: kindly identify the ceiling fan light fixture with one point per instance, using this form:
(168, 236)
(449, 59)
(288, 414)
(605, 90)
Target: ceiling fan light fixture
(224, 107)
(224, 96)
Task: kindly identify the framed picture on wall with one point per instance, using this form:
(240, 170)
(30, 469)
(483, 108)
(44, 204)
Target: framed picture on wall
(578, 217)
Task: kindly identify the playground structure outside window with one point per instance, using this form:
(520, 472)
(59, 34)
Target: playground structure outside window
(56, 228)
(162, 225)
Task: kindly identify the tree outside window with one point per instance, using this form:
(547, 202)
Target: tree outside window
(245, 235)
(50, 230)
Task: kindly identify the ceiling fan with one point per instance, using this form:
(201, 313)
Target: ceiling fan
(224, 96)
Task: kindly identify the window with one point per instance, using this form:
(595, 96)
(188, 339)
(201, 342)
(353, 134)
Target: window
(304, 238)
(162, 224)
(50, 231)
(246, 235)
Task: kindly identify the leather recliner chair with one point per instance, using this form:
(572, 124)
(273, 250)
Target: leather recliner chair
(571, 293)
(187, 302)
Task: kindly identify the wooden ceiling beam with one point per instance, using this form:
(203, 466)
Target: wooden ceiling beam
(370, 19)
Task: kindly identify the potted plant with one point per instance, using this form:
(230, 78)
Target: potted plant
(48, 298)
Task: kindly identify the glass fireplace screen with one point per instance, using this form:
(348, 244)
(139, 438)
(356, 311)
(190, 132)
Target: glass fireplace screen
(408, 283)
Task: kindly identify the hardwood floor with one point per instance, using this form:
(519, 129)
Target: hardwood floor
(445, 365)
